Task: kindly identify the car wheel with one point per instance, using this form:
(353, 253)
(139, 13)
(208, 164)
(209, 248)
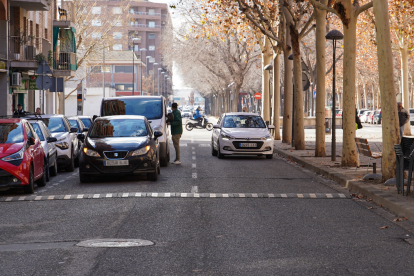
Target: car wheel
(42, 181)
(76, 162)
(269, 156)
(29, 189)
(54, 169)
(165, 159)
(219, 154)
(84, 178)
(71, 166)
(213, 151)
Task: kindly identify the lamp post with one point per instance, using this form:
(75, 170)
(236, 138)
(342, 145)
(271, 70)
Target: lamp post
(158, 90)
(333, 35)
(146, 62)
(153, 77)
(269, 68)
(133, 71)
(140, 71)
(290, 57)
(162, 83)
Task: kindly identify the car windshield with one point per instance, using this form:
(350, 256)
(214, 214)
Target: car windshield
(86, 122)
(11, 133)
(118, 128)
(150, 108)
(73, 122)
(243, 121)
(39, 133)
(55, 124)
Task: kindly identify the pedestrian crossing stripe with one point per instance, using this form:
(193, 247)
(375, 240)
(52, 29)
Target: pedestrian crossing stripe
(175, 195)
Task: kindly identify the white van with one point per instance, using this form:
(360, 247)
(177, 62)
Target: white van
(154, 108)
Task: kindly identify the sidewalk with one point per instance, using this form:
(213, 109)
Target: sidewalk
(350, 177)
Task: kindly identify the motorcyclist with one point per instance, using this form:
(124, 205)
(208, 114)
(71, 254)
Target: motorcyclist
(197, 116)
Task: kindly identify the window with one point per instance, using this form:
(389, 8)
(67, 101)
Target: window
(116, 10)
(55, 124)
(107, 69)
(96, 22)
(117, 35)
(119, 128)
(133, 34)
(11, 133)
(96, 69)
(96, 10)
(151, 48)
(96, 35)
(151, 24)
(151, 11)
(118, 23)
(123, 69)
(151, 36)
(39, 133)
(243, 121)
(150, 108)
(117, 47)
(151, 60)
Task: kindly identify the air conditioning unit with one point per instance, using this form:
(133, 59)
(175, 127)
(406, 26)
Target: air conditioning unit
(30, 52)
(16, 79)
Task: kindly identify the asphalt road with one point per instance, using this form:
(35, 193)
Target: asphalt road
(235, 216)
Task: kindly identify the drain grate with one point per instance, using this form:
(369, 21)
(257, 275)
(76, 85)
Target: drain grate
(115, 243)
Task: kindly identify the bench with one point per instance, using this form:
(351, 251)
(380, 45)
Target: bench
(365, 150)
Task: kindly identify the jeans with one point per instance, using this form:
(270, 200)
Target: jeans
(176, 143)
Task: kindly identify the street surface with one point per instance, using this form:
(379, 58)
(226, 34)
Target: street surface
(235, 216)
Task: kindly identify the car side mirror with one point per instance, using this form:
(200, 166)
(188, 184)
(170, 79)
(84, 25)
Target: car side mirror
(85, 129)
(51, 139)
(73, 129)
(216, 126)
(31, 141)
(94, 117)
(271, 127)
(81, 136)
(157, 134)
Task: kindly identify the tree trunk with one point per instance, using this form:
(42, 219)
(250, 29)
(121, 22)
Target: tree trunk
(389, 112)
(404, 86)
(349, 153)
(276, 96)
(236, 92)
(364, 87)
(266, 58)
(320, 150)
(288, 96)
(299, 138)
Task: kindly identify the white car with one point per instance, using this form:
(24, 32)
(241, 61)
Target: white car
(67, 141)
(361, 111)
(364, 116)
(241, 133)
(186, 113)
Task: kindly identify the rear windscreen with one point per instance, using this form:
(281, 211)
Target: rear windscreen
(150, 108)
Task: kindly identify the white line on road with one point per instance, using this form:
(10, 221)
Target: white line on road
(194, 158)
(22, 198)
(67, 197)
(125, 195)
(194, 175)
(329, 196)
(193, 152)
(80, 196)
(96, 196)
(283, 195)
(193, 166)
(300, 196)
(51, 197)
(109, 195)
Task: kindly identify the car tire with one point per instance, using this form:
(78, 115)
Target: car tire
(76, 162)
(71, 166)
(29, 189)
(213, 150)
(84, 178)
(54, 169)
(269, 156)
(42, 181)
(219, 154)
(166, 158)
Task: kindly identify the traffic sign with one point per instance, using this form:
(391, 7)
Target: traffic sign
(257, 96)
(43, 68)
(43, 82)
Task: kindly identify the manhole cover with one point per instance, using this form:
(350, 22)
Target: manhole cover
(114, 243)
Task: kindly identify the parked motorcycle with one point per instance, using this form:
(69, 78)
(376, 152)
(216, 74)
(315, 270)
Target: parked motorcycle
(203, 123)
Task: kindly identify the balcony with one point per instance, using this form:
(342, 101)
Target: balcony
(135, 24)
(144, 13)
(31, 5)
(26, 52)
(66, 15)
(65, 64)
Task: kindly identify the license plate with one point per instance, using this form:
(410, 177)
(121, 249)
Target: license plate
(248, 145)
(116, 163)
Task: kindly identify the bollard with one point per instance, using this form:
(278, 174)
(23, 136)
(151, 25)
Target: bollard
(374, 167)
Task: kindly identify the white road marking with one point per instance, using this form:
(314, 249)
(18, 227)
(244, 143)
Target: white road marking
(193, 152)
(194, 158)
(283, 195)
(213, 195)
(125, 195)
(154, 194)
(255, 195)
(67, 197)
(225, 195)
(108, 195)
(312, 195)
(193, 166)
(329, 196)
(342, 195)
(242, 195)
(51, 197)
(22, 198)
(79, 196)
(300, 195)
(167, 194)
(194, 190)
(183, 194)
(9, 199)
(138, 194)
(38, 198)
(271, 195)
(196, 195)
(96, 196)
(194, 175)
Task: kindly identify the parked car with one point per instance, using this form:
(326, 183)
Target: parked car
(241, 133)
(186, 113)
(370, 119)
(67, 141)
(120, 145)
(361, 112)
(411, 110)
(86, 120)
(75, 121)
(377, 117)
(22, 158)
(49, 145)
(364, 116)
(154, 108)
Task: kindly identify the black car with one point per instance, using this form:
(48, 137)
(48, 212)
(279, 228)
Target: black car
(377, 117)
(120, 145)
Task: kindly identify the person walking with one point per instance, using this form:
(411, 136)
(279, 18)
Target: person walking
(403, 117)
(176, 132)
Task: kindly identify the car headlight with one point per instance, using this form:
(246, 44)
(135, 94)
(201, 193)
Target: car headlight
(141, 151)
(90, 152)
(62, 145)
(267, 137)
(225, 136)
(15, 156)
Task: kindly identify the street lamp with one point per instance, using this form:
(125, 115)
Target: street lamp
(158, 90)
(333, 35)
(290, 57)
(269, 68)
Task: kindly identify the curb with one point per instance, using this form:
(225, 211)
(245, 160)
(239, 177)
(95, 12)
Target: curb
(397, 204)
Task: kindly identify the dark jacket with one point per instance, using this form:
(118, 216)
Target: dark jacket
(357, 120)
(403, 116)
(19, 112)
(177, 124)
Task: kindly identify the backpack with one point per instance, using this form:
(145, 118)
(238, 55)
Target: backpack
(170, 117)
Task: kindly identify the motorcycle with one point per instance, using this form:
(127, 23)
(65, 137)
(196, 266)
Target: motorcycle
(203, 123)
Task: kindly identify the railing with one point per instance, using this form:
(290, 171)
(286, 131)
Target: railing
(135, 38)
(65, 61)
(145, 13)
(135, 24)
(28, 48)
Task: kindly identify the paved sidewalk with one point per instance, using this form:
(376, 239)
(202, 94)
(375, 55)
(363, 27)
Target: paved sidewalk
(350, 177)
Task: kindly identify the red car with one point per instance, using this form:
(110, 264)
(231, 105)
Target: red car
(371, 118)
(22, 158)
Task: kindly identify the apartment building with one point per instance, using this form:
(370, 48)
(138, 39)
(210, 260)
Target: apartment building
(34, 30)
